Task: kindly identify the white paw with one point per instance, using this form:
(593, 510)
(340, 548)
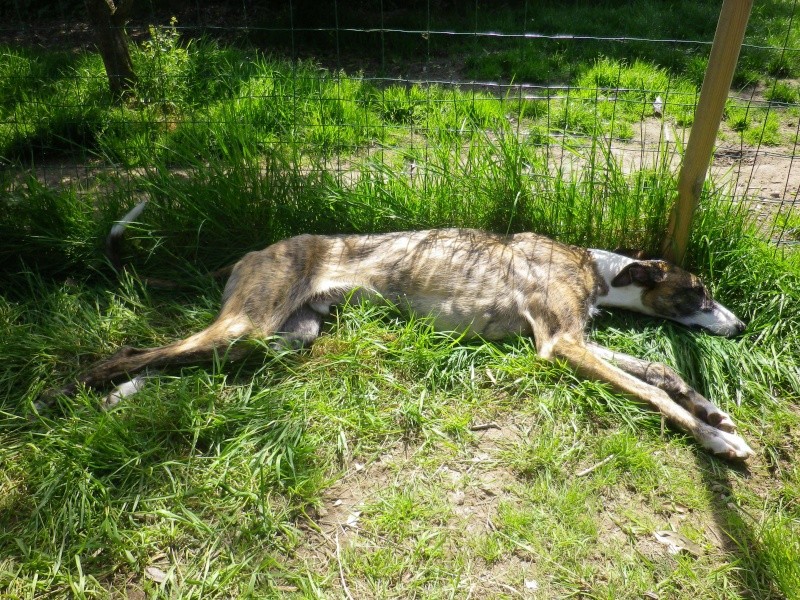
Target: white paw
(725, 444)
(123, 390)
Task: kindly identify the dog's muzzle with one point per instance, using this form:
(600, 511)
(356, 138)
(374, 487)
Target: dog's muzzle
(717, 320)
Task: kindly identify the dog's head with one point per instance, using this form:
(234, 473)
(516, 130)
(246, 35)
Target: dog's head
(673, 293)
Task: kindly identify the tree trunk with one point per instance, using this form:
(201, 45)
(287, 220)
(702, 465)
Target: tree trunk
(108, 21)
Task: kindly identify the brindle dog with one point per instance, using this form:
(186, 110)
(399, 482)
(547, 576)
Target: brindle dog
(469, 281)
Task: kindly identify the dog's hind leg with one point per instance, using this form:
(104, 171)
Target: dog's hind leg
(665, 378)
(299, 330)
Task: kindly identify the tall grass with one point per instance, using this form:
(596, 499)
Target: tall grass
(198, 99)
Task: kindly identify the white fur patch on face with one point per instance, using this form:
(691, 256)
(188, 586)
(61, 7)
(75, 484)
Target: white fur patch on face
(609, 264)
(719, 320)
(627, 296)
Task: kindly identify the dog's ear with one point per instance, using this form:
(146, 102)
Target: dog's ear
(646, 274)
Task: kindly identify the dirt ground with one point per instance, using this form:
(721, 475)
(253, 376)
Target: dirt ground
(475, 483)
(767, 174)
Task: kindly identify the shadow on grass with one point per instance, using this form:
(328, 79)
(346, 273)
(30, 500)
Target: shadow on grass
(737, 529)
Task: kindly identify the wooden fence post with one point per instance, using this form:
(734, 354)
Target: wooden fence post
(728, 38)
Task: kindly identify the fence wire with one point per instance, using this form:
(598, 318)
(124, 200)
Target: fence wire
(427, 84)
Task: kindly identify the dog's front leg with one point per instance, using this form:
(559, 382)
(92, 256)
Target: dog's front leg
(590, 364)
(665, 378)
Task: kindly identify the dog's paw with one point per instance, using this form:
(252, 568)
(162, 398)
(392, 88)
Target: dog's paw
(705, 410)
(724, 444)
(47, 399)
(721, 420)
(123, 390)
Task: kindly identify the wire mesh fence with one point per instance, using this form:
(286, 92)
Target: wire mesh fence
(360, 89)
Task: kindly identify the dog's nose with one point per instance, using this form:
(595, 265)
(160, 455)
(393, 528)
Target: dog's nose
(735, 329)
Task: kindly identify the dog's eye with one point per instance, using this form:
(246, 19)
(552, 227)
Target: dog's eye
(703, 298)
(691, 300)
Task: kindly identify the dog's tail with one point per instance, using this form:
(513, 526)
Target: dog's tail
(116, 236)
(116, 240)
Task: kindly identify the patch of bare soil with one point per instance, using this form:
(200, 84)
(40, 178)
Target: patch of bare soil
(475, 481)
(472, 483)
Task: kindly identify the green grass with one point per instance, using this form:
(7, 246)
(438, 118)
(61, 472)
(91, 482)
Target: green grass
(354, 465)
(214, 477)
(787, 226)
(198, 99)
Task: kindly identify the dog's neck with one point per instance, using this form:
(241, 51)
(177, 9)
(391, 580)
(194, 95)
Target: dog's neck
(609, 265)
